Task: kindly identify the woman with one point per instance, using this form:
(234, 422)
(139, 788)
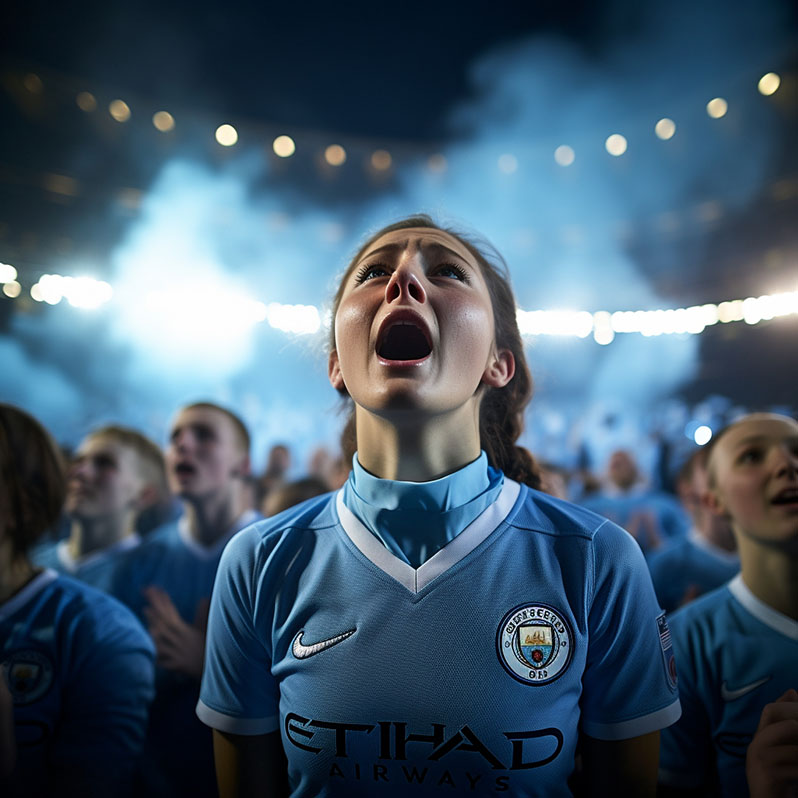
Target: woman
(76, 667)
(435, 625)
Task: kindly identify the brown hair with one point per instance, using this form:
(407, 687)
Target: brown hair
(32, 478)
(501, 414)
(149, 457)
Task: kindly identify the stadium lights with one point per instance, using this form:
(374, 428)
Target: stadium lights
(87, 293)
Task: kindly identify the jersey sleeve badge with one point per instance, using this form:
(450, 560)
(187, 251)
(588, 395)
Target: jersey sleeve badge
(534, 643)
(668, 658)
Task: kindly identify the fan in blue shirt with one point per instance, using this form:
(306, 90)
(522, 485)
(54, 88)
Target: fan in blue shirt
(167, 581)
(737, 647)
(438, 625)
(116, 474)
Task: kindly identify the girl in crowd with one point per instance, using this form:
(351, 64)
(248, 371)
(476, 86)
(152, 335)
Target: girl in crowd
(737, 646)
(438, 624)
(76, 668)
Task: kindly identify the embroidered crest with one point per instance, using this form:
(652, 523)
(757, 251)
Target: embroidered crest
(669, 659)
(29, 675)
(534, 643)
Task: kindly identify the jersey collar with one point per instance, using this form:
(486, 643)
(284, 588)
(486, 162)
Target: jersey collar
(32, 589)
(415, 579)
(761, 611)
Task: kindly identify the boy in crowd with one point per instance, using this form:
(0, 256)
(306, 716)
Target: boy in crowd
(116, 474)
(652, 517)
(167, 581)
(707, 557)
(737, 647)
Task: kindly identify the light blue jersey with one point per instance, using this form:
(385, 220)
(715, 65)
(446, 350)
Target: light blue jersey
(95, 569)
(735, 655)
(688, 568)
(172, 560)
(471, 674)
(652, 517)
(80, 670)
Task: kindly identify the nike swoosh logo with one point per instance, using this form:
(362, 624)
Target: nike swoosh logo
(301, 651)
(730, 695)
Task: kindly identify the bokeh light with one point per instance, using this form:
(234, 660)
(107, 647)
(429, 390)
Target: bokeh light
(769, 84)
(119, 110)
(7, 273)
(615, 144)
(163, 121)
(437, 163)
(717, 107)
(564, 155)
(381, 160)
(665, 128)
(12, 289)
(702, 435)
(226, 135)
(284, 146)
(508, 163)
(335, 155)
(86, 101)
(33, 83)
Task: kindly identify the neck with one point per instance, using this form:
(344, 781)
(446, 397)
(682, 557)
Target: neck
(15, 571)
(417, 452)
(717, 532)
(771, 575)
(210, 518)
(94, 534)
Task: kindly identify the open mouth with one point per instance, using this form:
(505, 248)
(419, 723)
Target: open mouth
(786, 497)
(184, 469)
(403, 340)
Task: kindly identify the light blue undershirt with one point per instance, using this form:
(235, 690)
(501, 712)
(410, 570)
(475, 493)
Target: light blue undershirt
(416, 519)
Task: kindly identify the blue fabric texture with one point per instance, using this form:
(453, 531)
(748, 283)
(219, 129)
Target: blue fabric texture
(414, 520)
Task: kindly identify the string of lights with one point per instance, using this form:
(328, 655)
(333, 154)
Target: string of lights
(88, 293)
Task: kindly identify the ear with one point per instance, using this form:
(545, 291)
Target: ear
(500, 369)
(334, 372)
(147, 496)
(243, 468)
(714, 503)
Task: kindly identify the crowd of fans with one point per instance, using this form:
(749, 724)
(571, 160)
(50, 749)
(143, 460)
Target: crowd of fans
(107, 566)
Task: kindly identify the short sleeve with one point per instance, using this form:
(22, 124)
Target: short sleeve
(239, 694)
(629, 680)
(107, 693)
(686, 756)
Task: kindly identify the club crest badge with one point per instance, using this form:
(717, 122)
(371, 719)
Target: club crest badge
(534, 643)
(29, 675)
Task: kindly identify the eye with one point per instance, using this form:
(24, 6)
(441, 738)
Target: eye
(751, 455)
(451, 271)
(369, 271)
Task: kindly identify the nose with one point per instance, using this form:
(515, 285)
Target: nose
(180, 441)
(787, 461)
(405, 284)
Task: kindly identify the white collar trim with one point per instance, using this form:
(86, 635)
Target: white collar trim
(34, 587)
(416, 579)
(209, 552)
(761, 611)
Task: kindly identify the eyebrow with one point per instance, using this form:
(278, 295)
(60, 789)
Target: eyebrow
(424, 245)
(764, 439)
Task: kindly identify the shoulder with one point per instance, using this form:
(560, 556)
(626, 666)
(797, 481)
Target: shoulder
(95, 616)
(262, 538)
(702, 626)
(540, 512)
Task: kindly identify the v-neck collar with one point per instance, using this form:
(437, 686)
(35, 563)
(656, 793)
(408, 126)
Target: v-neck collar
(416, 579)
